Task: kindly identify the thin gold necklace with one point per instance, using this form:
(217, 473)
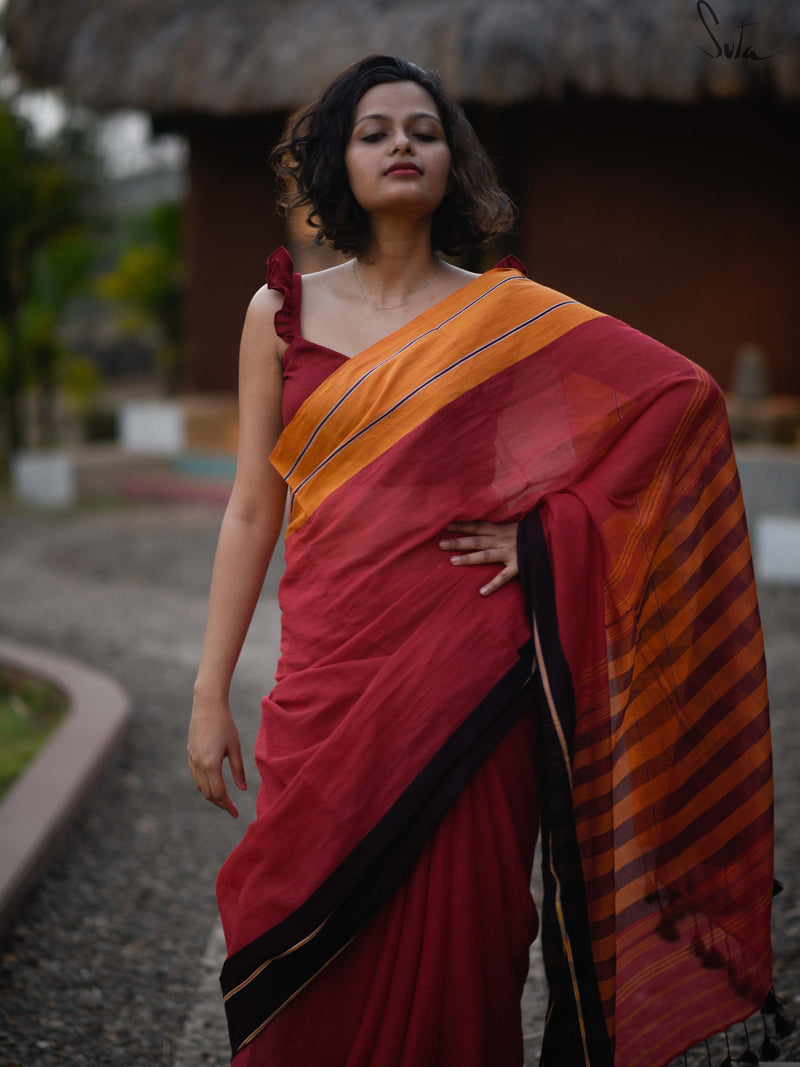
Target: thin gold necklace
(389, 307)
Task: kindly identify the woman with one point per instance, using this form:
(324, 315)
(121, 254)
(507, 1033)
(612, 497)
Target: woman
(377, 910)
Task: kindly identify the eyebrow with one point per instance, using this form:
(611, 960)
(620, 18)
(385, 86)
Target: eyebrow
(415, 115)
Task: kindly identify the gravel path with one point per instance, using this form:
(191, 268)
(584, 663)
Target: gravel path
(114, 959)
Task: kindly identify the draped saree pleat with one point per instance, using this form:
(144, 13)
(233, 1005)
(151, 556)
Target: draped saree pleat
(377, 911)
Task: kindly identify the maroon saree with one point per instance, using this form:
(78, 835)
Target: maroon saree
(377, 909)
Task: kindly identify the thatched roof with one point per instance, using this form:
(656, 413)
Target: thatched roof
(235, 56)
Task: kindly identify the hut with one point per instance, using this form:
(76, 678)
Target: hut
(651, 147)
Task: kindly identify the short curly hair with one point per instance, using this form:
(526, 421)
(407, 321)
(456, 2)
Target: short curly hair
(310, 163)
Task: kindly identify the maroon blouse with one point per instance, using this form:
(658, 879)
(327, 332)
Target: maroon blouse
(305, 365)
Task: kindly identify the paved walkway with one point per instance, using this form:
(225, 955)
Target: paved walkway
(114, 959)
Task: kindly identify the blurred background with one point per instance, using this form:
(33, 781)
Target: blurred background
(653, 153)
(651, 149)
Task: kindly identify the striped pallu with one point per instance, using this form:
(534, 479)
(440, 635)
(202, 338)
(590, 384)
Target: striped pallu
(661, 802)
(640, 640)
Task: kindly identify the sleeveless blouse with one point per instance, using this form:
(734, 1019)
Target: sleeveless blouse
(306, 364)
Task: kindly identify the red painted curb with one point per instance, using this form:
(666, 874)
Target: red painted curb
(45, 799)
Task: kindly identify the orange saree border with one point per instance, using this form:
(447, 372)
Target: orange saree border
(507, 318)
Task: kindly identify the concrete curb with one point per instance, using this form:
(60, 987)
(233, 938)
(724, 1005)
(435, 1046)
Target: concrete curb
(45, 799)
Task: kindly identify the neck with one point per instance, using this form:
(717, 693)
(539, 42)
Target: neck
(396, 263)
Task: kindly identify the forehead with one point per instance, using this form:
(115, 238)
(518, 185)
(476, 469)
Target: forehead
(395, 99)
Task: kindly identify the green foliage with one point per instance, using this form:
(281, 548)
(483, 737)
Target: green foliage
(144, 282)
(38, 199)
(61, 268)
(80, 379)
(148, 283)
(44, 259)
(30, 709)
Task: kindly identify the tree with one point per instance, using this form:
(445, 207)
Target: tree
(43, 260)
(59, 269)
(148, 282)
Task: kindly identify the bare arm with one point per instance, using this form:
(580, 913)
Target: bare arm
(249, 531)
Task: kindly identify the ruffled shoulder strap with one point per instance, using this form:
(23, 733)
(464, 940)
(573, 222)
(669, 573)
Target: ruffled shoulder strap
(281, 276)
(511, 262)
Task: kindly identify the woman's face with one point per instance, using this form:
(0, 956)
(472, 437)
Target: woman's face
(397, 157)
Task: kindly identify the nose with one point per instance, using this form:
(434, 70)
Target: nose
(401, 142)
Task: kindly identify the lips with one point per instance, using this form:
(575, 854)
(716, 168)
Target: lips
(407, 167)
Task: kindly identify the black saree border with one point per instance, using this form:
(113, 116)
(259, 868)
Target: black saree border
(575, 1032)
(266, 974)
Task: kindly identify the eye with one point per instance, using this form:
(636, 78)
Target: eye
(426, 137)
(371, 138)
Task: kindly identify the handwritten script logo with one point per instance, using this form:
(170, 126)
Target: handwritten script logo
(733, 49)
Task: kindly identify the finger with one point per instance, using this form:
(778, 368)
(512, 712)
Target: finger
(501, 579)
(200, 778)
(471, 527)
(204, 786)
(237, 766)
(504, 536)
(226, 804)
(504, 554)
(485, 555)
(218, 792)
(467, 542)
(212, 785)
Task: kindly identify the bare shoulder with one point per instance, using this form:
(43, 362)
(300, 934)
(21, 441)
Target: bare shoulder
(330, 282)
(259, 334)
(260, 317)
(457, 277)
(264, 303)
(459, 273)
